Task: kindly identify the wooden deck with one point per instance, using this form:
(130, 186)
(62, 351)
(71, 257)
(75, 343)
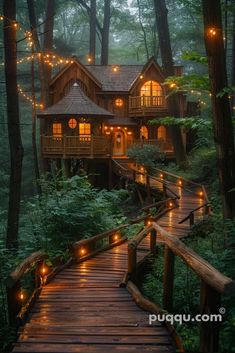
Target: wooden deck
(83, 309)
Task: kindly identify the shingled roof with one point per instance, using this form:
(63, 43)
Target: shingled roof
(114, 81)
(75, 103)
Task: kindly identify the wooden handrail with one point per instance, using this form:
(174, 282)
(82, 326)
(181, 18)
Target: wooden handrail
(163, 182)
(25, 266)
(213, 283)
(191, 213)
(187, 181)
(156, 204)
(201, 267)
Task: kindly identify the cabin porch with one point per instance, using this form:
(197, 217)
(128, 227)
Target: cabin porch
(93, 146)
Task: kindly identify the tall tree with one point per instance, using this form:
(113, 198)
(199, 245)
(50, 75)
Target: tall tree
(222, 117)
(168, 67)
(102, 30)
(92, 50)
(34, 129)
(233, 56)
(105, 34)
(16, 148)
(48, 34)
(41, 66)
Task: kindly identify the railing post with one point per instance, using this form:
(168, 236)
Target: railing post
(64, 145)
(132, 260)
(168, 279)
(13, 303)
(134, 175)
(148, 188)
(191, 219)
(164, 190)
(210, 301)
(153, 241)
(207, 210)
(92, 146)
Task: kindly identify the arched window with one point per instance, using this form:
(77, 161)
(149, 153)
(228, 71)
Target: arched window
(161, 133)
(151, 94)
(144, 134)
(151, 88)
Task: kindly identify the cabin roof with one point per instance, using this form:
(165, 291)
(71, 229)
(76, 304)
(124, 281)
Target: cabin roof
(116, 81)
(75, 103)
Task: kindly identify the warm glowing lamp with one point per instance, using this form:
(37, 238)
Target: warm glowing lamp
(212, 32)
(82, 251)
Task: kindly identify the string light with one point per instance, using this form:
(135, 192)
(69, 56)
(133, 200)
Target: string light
(50, 59)
(30, 99)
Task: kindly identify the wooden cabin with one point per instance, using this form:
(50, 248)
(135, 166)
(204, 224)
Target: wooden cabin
(101, 111)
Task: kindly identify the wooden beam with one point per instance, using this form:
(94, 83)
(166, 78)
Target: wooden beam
(25, 266)
(210, 302)
(168, 279)
(201, 267)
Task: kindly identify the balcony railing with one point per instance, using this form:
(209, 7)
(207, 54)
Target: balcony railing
(77, 146)
(147, 104)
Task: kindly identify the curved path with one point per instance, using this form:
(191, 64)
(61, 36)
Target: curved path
(84, 310)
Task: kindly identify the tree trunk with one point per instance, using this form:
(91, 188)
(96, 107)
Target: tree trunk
(42, 71)
(105, 34)
(34, 118)
(168, 67)
(143, 30)
(48, 35)
(16, 148)
(233, 58)
(92, 50)
(41, 66)
(222, 117)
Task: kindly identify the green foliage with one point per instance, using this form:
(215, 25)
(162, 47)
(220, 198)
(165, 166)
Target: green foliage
(70, 210)
(188, 123)
(147, 155)
(190, 82)
(212, 240)
(194, 56)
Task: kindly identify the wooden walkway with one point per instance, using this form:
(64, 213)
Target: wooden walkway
(83, 309)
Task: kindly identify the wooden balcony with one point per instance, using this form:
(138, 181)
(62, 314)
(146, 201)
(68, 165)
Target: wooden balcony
(143, 105)
(76, 146)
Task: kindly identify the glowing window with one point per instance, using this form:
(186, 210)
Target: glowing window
(144, 133)
(72, 123)
(57, 129)
(161, 133)
(151, 88)
(84, 129)
(119, 102)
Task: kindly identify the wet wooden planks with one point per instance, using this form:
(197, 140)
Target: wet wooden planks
(84, 310)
